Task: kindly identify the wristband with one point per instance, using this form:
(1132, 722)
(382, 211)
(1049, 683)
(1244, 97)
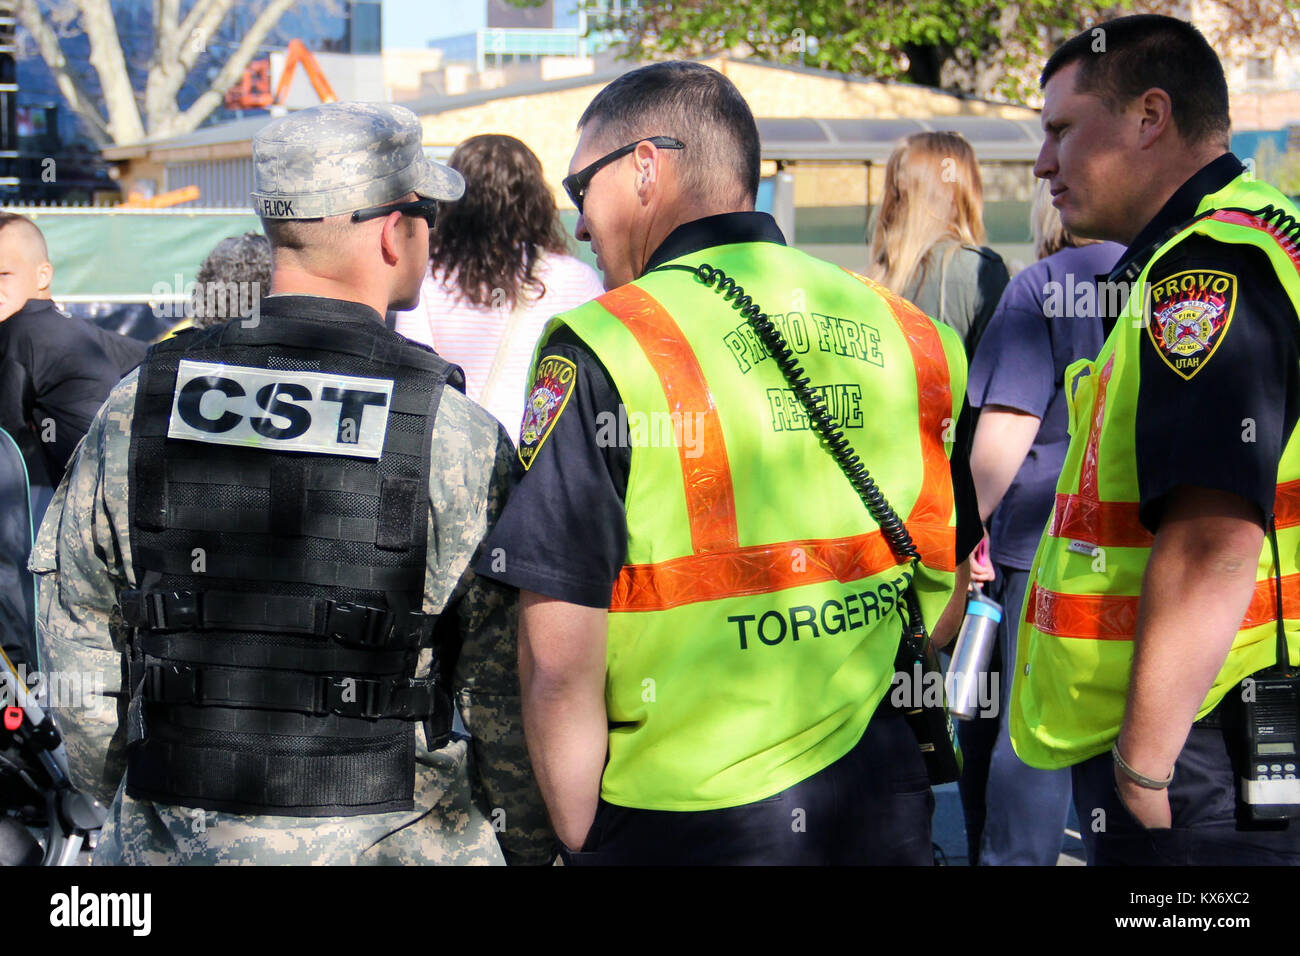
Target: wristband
(1149, 783)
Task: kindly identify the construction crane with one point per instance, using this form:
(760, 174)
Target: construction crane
(253, 91)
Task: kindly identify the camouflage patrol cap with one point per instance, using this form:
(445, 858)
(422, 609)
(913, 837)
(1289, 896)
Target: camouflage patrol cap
(340, 157)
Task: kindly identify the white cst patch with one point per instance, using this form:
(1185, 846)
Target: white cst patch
(280, 410)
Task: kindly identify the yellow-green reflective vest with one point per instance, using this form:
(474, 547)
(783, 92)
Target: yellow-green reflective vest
(1075, 648)
(754, 626)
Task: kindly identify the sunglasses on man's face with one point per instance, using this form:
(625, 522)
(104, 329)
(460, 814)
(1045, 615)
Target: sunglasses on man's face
(426, 209)
(576, 185)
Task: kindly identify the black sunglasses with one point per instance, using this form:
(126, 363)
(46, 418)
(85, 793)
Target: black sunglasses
(576, 185)
(426, 209)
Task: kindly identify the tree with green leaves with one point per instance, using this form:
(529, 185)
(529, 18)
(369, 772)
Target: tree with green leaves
(983, 47)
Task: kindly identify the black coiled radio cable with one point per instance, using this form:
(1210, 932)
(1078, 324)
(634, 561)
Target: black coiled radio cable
(932, 725)
(891, 525)
(1286, 225)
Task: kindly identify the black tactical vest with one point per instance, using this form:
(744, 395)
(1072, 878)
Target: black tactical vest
(275, 632)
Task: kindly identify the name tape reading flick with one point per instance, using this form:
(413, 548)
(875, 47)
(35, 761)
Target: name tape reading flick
(280, 410)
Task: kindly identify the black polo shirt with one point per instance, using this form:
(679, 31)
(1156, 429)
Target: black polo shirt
(1219, 358)
(54, 375)
(564, 530)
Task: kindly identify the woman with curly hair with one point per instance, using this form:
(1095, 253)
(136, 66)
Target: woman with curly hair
(499, 269)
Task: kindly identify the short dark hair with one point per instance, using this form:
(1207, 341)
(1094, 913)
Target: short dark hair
(1123, 58)
(32, 230)
(690, 102)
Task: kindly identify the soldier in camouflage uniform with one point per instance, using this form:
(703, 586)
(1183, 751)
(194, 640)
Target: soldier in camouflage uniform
(475, 799)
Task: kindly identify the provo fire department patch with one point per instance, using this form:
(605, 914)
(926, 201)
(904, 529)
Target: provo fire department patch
(552, 386)
(1190, 314)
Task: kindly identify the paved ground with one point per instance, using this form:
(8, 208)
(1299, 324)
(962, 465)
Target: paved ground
(949, 831)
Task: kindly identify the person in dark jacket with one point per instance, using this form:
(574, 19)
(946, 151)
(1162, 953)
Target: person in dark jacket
(55, 370)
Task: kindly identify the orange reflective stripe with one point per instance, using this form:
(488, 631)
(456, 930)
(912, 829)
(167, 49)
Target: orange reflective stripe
(763, 569)
(1109, 617)
(719, 567)
(710, 497)
(934, 402)
(1286, 504)
(1084, 517)
(1099, 617)
(1109, 524)
(1115, 524)
(1238, 218)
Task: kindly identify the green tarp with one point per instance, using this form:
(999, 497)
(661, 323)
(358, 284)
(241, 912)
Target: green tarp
(135, 254)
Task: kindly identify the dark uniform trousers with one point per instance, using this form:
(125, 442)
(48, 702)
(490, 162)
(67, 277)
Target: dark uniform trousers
(1206, 827)
(872, 806)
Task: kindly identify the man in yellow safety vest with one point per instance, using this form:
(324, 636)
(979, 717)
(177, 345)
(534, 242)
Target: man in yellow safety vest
(710, 615)
(1164, 599)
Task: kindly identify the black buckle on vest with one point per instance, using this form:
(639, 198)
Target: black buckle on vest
(419, 700)
(169, 682)
(161, 610)
(355, 696)
(356, 625)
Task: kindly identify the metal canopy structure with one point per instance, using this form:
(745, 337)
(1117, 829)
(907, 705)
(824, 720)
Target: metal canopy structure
(994, 139)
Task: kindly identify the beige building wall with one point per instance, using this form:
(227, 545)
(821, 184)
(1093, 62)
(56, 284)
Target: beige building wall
(830, 184)
(544, 121)
(777, 92)
(1265, 110)
(403, 70)
(1263, 76)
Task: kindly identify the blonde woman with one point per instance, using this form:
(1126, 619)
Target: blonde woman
(928, 240)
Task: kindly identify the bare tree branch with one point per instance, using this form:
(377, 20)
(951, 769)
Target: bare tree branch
(106, 57)
(197, 12)
(192, 42)
(232, 69)
(165, 76)
(179, 48)
(167, 15)
(71, 88)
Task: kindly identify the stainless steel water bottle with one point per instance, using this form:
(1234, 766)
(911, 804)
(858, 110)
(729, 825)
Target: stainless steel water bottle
(967, 681)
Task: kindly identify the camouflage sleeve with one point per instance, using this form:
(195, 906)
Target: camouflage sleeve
(80, 563)
(481, 616)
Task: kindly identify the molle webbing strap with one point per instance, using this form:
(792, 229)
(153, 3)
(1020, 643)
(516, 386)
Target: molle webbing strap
(312, 656)
(371, 698)
(258, 475)
(288, 507)
(351, 625)
(256, 521)
(304, 782)
(397, 499)
(373, 345)
(298, 571)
